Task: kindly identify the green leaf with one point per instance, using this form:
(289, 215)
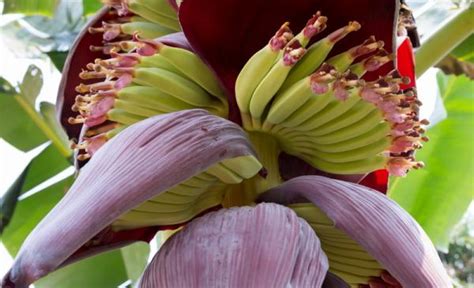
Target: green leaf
(17, 127)
(91, 6)
(29, 212)
(44, 166)
(6, 87)
(105, 271)
(438, 195)
(465, 51)
(9, 199)
(30, 7)
(48, 111)
(135, 257)
(31, 85)
(58, 58)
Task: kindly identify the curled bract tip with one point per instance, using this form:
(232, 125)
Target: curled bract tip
(221, 249)
(142, 161)
(386, 231)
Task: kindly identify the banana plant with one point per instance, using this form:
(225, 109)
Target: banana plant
(236, 110)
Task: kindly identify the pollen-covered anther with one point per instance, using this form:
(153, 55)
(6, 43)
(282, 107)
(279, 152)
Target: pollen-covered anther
(121, 60)
(368, 46)
(92, 75)
(108, 48)
(376, 61)
(281, 37)
(94, 87)
(386, 87)
(320, 80)
(342, 32)
(79, 119)
(293, 53)
(399, 166)
(78, 146)
(406, 143)
(83, 157)
(371, 95)
(143, 47)
(119, 5)
(111, 31)
(315, 25)
(342, 86)
(90, 145)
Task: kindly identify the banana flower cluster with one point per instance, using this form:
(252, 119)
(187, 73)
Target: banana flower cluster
(264, 129)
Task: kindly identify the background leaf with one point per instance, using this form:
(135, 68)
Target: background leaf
(58, 59)
(105, 271)
(9, 199)
(465, 51)
(31, 85)
(91, 6)
(44, 166)
(135, 257)
(438, 195)
(17, 127)
(29, 212)
(31, 36)
(48, 111)
(30, 7)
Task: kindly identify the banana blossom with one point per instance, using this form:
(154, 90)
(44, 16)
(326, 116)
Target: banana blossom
(194, 128)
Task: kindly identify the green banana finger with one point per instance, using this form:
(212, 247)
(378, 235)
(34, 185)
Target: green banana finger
(367, 138)
(289, 101)
(353, 167)
(357, 112)
(373, 264)
(258, 66)
(343, 60)
(145, 30)
(160, 6)
(123, 117)
(268, 88)
(371, 121)
(333, 110)
(316, 54)
(361, 128)
(135, 109)
(173, 84)
(361, 254)
(244, 166)
(252, 74)
(194, 68)
(361, 271)
(314, 105)
(313, 58)
(153, 97)
(158, 61)
(350, 155)
(224, 174)
(154, 16)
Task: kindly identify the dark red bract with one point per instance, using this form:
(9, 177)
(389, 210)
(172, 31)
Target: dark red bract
(227, 33)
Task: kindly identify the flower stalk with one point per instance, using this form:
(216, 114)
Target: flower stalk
(439, 43)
